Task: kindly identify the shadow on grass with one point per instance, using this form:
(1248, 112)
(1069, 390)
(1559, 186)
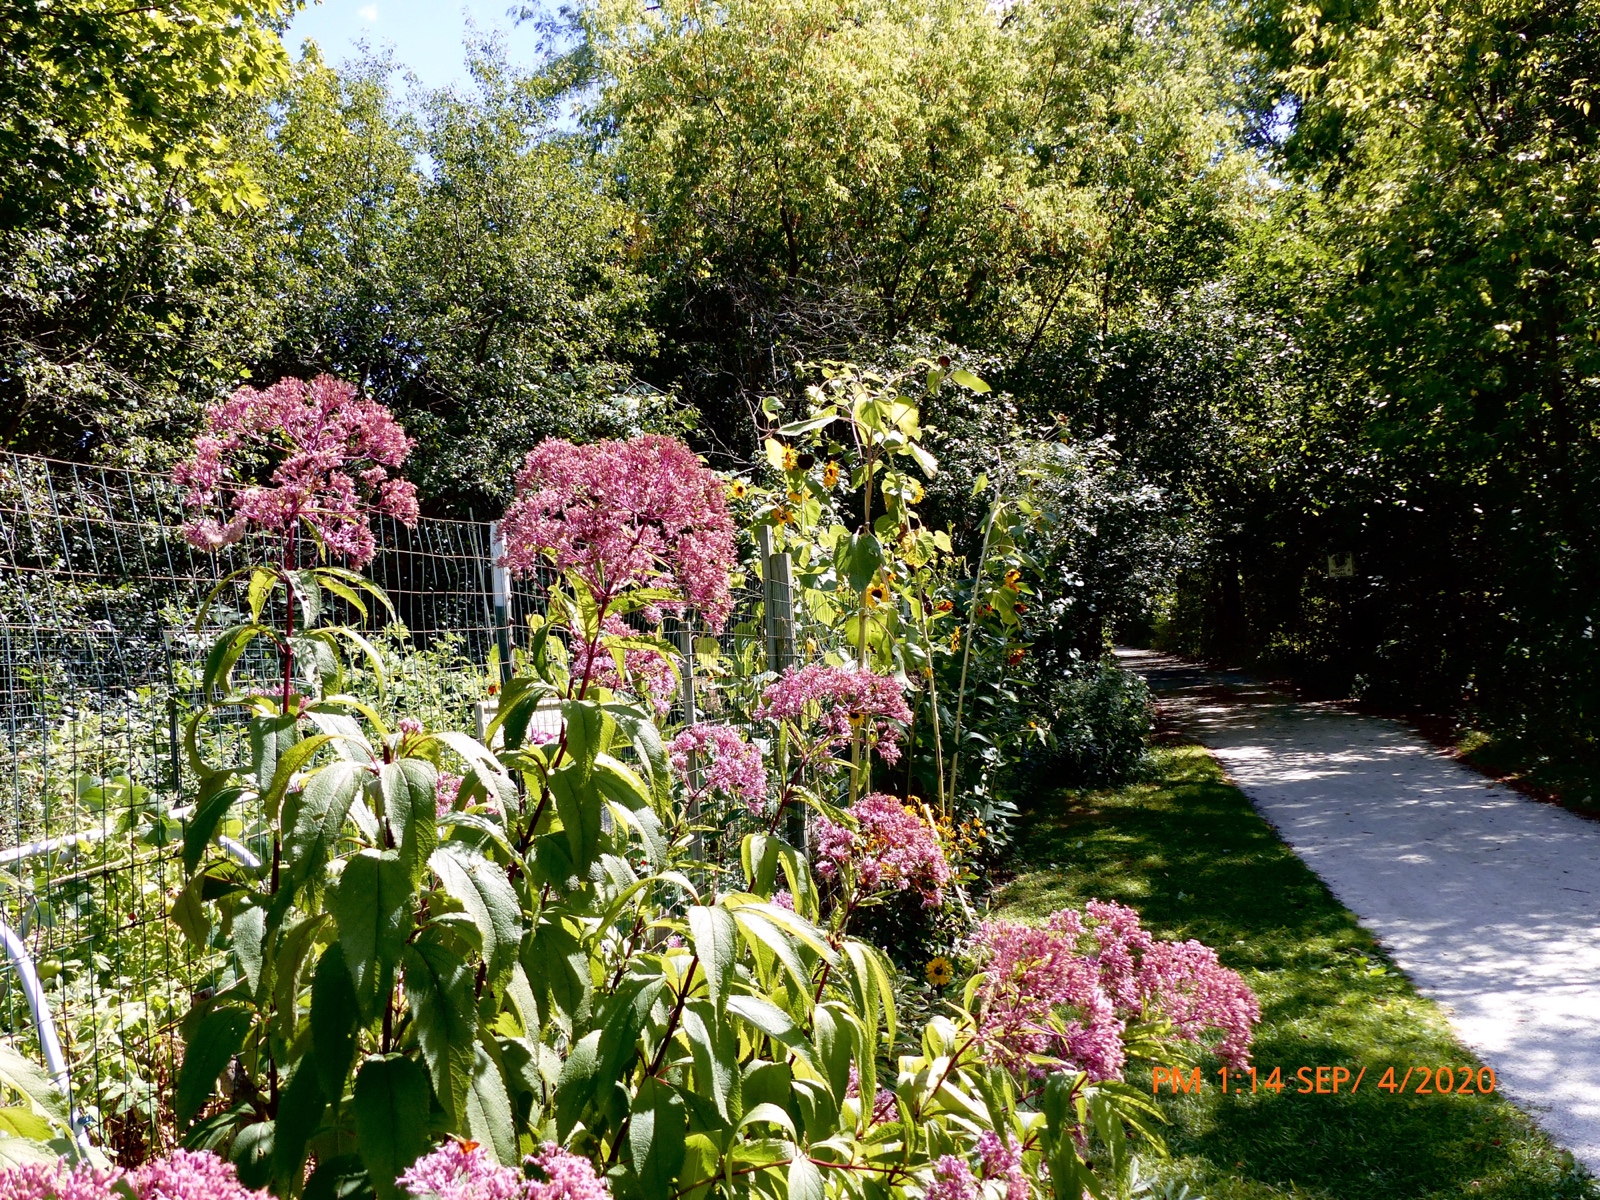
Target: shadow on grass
(1189, 852)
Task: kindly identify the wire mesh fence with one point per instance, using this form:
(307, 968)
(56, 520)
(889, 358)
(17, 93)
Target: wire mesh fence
(100, 667)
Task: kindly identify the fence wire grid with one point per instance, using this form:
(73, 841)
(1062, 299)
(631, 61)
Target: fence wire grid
(100, 664)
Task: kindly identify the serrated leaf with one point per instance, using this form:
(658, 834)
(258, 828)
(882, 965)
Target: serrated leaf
(489, 1120)
(438, 986)
(656, 1132)
(391, 1118)
(410, 789)
(217, 1038)
(371, 905)
(333, 1021)
(489, 899)
(715, 938)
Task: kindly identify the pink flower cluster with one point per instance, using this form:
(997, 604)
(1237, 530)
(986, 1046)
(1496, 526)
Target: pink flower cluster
(1068, 989)
(337, 452)
(446, 791)
(649, 673)
(884, 1107)
(641, 513)
(895, 850)
(727, 764)
(952, 1180)
(840, 700)
(1002, 1159)
(461, 1171)
(185, 1175)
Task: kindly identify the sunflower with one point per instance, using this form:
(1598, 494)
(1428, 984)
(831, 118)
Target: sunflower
(782, 516)
(916, 493)
(940, 971)
(955, 640)
(737, 489)
(1016, 656)
(876, 595)
(791, 460)
(943, 607)
(796, 497)
(1013, 577)
(830, 474)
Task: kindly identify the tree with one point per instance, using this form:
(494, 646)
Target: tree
(121, 304)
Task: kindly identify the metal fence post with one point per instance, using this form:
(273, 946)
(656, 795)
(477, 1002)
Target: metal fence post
(685, 639)
(500, 589)
(777, 595)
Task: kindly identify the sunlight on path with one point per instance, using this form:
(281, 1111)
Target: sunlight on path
(1489, 901)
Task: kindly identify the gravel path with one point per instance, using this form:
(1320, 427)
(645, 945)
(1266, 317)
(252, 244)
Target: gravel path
(1489, 901)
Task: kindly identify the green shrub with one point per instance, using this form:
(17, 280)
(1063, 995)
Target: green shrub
(1100, 723)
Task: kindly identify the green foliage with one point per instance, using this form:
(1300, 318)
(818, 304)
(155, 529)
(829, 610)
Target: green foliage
(459, 257)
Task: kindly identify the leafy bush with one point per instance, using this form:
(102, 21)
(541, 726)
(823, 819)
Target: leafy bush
(1099, 726)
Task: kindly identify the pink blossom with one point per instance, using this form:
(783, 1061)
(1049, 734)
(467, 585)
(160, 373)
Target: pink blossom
(896, 849)
(727, 764)
(186, 1175)
(58, 1181)
(462, 1171)
(952, 1180)
(625, 515)
(650, 674)
(566, 1176)
(446, 791)
(1068, 989)
(335, 451)
(839, 700)
(408, 726)
(1002, 1159)
(1040, 997)
(884, 1106)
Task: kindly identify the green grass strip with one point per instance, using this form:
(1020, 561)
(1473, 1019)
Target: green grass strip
(1186, 849)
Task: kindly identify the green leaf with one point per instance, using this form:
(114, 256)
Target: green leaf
(249, 936)
(716, 1058)
(333, 1022)
(316, 817)
(217, 1038)
(225, 652)
(656, 1133)
(292, 948)
(299, 1117)
(391, 1118)
(371, 904)
(645, 738)
(863, 559)
(19, 1120)
(217, 796)
(797, 428)
(769, 1019)
(575, 1087)
(578, 804)
(715, 938)
(438, 986)
(410, 805)
(342, 1177)
(490, 901)
(489, 1121)
(968, 380)
(588, 733)
(557, 967)
(26, 1078)
(805, 1180)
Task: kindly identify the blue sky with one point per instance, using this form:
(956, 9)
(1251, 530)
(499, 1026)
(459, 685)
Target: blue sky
(427, 35)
